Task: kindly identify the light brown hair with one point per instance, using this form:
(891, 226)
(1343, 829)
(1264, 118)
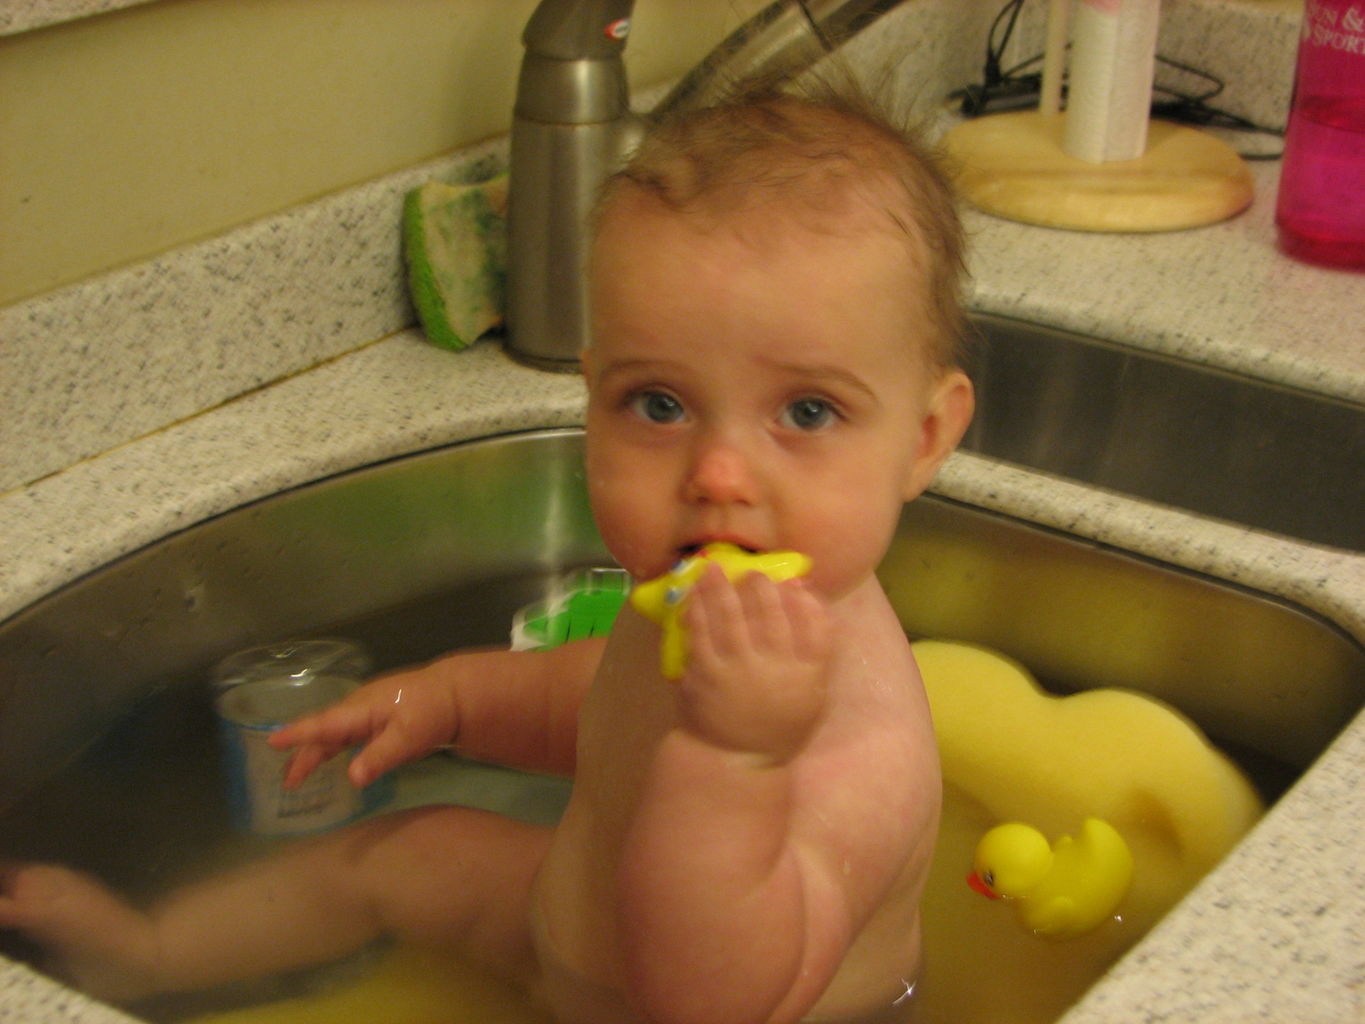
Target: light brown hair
(813, 149)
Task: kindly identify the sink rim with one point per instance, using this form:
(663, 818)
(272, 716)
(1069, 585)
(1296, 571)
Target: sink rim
(1317, 774)
(951, 495)
(90, 514)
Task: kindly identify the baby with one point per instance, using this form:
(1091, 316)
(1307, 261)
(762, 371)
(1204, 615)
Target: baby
(775, 304)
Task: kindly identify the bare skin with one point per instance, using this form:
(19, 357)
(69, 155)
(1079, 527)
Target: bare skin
(463, 879)
(829, 925)
(330, 896)
(748, 844)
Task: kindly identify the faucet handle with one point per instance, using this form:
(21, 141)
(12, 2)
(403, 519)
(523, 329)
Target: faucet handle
(578, 29)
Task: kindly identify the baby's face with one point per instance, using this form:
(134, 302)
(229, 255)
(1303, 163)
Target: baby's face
(758, 383)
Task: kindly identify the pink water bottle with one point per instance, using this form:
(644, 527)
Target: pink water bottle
(1321, 210)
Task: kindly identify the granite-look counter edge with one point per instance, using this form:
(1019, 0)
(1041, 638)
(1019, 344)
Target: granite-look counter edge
(1270, 934)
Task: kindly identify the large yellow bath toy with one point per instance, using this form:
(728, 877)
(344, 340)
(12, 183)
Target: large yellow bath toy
(1062, 890)
(1020, 754)
(661, 599)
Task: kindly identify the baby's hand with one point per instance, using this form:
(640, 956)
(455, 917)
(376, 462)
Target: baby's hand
(399, 718)
(760, 656)
(663, 598)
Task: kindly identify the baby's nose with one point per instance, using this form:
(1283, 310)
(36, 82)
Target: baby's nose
(721, 473)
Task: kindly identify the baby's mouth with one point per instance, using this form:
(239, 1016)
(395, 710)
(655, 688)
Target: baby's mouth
(689, 550)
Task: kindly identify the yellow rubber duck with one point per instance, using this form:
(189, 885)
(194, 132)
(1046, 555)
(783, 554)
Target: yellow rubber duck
(1019, 753)
(661, 599)
(1062, 890)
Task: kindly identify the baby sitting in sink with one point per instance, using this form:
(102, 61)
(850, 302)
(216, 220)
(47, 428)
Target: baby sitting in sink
(774, 285)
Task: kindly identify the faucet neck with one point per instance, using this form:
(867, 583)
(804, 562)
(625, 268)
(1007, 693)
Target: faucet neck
(572, 72)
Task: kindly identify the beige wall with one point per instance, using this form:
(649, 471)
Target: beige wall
(126, 134)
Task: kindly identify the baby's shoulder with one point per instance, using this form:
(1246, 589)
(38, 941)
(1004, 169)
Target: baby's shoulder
(869, 625)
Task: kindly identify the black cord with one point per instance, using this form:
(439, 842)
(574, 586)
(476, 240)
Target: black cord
(994, 51)
(1012, 89)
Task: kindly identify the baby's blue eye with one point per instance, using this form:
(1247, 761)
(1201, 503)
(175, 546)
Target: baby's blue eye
(808, 414)
(657, 407)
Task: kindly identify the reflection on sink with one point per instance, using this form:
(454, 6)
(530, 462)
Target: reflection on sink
(1175, 432)
(106, 730)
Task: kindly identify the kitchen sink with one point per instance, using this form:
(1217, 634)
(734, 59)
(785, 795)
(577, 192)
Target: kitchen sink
(108, 754)
(1171, 431)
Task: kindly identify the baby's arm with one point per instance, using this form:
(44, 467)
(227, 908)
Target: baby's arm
(513, 708)
(728, 910)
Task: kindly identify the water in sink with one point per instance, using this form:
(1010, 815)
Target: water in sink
(164, 752)
(107, 756)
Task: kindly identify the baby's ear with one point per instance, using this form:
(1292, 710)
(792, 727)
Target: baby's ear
(947, 414)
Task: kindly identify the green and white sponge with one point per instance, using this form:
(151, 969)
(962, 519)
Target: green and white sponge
(455, 243)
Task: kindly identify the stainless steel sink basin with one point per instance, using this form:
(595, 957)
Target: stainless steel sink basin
(1171, 431)
(106, 729)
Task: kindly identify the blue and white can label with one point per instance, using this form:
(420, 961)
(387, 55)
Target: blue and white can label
(249, 713)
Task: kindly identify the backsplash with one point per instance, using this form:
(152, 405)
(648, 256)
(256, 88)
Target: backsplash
(1247, 44)
(86, 368)
(89, 367)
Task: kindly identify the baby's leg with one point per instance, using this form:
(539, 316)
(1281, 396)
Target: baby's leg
(446, 876)
(92, 938)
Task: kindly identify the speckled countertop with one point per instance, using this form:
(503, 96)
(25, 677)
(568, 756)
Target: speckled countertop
(1275, 933)
(24, 15)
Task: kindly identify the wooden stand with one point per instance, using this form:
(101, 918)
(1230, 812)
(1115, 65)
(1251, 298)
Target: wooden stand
(1013, 165)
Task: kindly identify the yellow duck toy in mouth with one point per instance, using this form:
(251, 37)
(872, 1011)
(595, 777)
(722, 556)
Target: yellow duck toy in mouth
(661, 599)
(1062, 890)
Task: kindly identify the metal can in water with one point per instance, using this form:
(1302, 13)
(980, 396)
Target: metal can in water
(261, 690)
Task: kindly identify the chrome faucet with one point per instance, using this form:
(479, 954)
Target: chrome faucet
(572, 127)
